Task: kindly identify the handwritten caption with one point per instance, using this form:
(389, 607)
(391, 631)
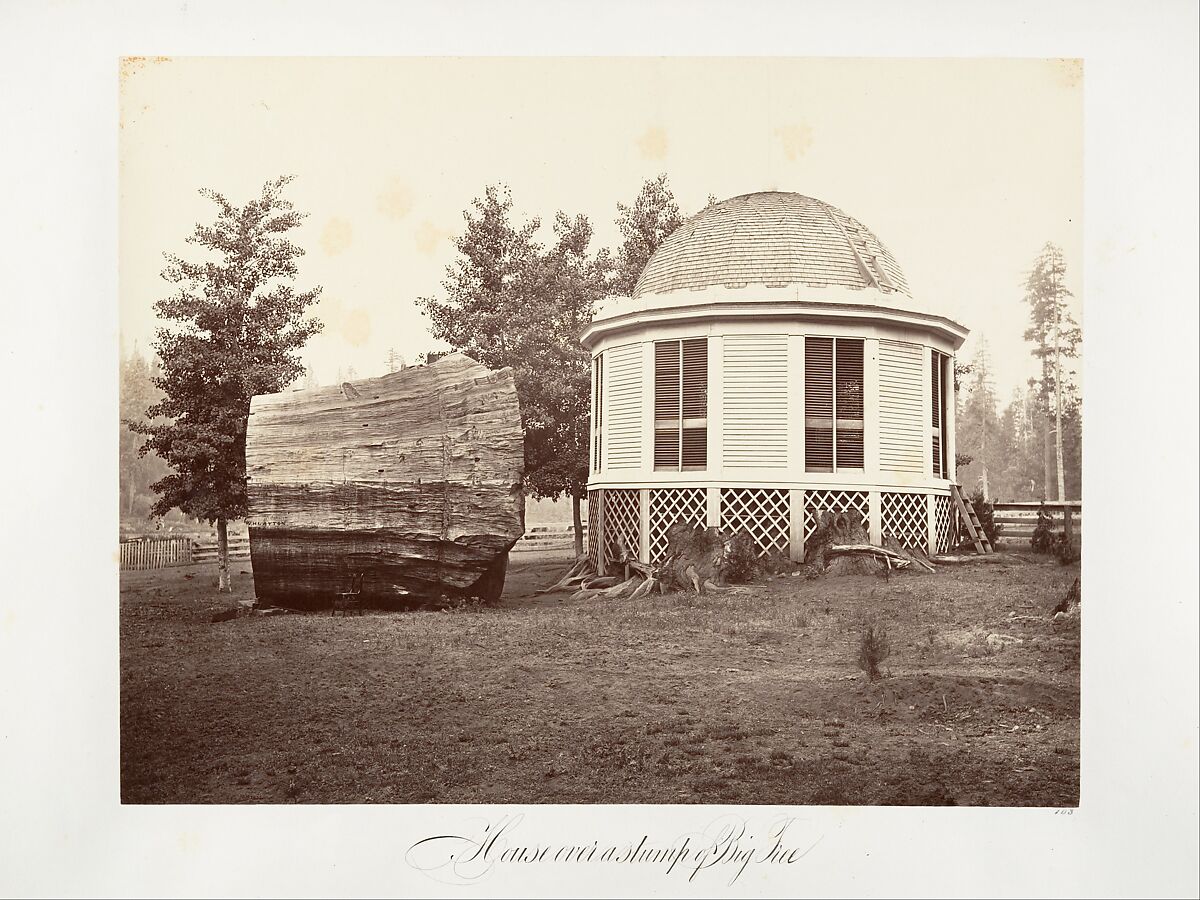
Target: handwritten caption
(728, 846)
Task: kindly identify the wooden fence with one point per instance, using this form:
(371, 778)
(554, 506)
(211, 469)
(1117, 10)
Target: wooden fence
(184, 550)
(1018, 520)
(206, 549)
(548, 537)
(156, 552)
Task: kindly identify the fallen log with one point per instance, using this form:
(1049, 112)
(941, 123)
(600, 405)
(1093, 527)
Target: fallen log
(915, 554)
(895, 559)
(413, 479)
(840, 529)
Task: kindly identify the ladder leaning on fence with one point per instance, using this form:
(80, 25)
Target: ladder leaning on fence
(966, 512)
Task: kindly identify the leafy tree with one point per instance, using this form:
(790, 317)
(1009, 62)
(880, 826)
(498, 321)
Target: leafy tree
(644, 225)
(556, 381)
(508, 301)
(1056, 336)
(233, 326)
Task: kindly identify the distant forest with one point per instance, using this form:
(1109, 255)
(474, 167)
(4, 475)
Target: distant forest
(1009, 452)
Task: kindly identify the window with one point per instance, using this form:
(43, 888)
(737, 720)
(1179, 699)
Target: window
(597, 410)
(938, 407)
(681, 404)
(833, 404)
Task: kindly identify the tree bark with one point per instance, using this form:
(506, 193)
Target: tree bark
(1047, 484)
(412, 479)
(223, 555)
(577, 521)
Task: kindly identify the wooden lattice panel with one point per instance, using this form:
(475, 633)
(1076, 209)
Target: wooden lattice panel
(622, 522)
(765, 514)
(943, 523)
(832, 501)
(906, 518)
(593, 535)
(671, 505)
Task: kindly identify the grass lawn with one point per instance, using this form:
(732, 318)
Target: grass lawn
(752, 697)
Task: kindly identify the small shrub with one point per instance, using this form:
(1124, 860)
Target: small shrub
(1043, 540)
(873, 648)
(1046, 540)
(741, 563)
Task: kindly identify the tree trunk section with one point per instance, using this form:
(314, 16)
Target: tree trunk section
(840, 528)
(577, 521)
(223, 556)
(413, 479)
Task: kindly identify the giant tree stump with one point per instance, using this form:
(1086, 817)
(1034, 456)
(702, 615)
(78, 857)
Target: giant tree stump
(839, 528)
(413, 478)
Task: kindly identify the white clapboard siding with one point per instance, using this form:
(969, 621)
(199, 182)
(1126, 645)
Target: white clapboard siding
(755, 401)
(622, 400)
(901, 407)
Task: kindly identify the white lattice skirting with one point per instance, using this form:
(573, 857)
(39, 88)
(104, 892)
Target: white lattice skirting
(763, 513)
(906, 518)
(671, 505)
(616, 517)
(833, 501)
(943, 523)
(622, 522)
(593, 545)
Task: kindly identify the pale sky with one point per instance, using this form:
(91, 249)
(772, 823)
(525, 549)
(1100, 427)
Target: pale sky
(963, 168)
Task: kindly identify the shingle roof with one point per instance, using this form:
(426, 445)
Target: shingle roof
(771, 238)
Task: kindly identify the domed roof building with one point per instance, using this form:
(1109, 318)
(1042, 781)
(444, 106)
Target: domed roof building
(772, 363)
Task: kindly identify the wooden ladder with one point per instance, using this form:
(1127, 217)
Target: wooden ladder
(966, 511)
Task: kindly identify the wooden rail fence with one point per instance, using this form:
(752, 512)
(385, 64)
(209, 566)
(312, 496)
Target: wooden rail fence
(156, 552)
(548, 537)
(184, 550)
(1018, 520)
(206, 550)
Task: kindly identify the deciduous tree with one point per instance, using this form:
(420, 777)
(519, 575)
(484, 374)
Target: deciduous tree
(643, 225)
(232, 329)
(508, 301)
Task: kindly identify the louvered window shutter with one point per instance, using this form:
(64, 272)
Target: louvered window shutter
(938, 410)
(848, 406)
(694, 387)
(681, 404)
(818, 404)
(666, 405)
(833, 404)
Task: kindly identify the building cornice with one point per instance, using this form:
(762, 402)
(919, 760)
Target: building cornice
(669, 310)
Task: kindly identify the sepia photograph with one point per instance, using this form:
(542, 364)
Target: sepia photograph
(725, 448)
(508, 448)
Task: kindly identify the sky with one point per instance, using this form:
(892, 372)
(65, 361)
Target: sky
(963, 168)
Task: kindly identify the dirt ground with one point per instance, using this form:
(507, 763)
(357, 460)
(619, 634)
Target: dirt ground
(750, 697)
